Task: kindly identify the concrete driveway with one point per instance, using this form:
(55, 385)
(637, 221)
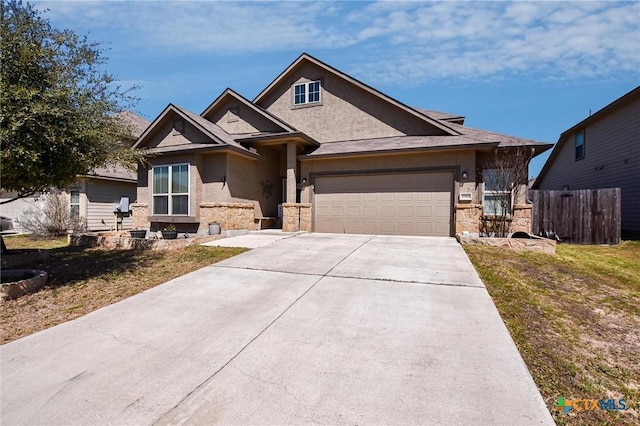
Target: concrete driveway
(315, 328)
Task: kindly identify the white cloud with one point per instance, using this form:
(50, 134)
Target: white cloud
(390, 42)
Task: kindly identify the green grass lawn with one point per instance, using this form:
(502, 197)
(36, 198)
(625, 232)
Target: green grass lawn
(575, 318)
(83, 280)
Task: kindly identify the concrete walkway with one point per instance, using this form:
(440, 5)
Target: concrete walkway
(318, 328)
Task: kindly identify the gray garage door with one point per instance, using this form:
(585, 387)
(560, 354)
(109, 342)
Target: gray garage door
(390, 204)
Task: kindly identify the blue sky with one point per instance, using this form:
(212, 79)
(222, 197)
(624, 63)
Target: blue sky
(528, 69)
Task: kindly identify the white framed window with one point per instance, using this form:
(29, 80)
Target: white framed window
(74, 204)
(496, 192)
(579, 141)
(171, 190)
(306, 93)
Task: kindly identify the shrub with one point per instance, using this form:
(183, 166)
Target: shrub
(52, 219)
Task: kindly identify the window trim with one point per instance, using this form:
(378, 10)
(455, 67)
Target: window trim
(305, 94)
(576, 146)
(169, 194)
(486, 192)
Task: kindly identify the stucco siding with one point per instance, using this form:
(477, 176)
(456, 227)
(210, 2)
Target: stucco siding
(257, 182)
(167, 136)
(101, 196)
(345, 112)
(236, 118)
(213, 175)
(611, 160)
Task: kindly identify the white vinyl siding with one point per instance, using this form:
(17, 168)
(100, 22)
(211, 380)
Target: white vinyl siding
(101, 197)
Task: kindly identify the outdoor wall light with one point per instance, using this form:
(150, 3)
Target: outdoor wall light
(465, 175)
(304, 181)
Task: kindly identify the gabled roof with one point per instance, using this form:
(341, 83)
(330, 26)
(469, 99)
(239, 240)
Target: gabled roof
(306, 58)
(118, 172)
(612, 107)
(442, 116)
(231, 93)
(138, 124)
(218, 137)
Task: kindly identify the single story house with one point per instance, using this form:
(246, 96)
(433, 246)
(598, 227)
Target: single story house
(91, 197)
(601, 151)
(318, 150)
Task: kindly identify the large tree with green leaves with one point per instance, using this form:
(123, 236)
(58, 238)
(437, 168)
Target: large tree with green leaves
(58, 106)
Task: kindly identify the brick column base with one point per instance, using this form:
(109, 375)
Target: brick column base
(140, 215)
(468, 218)
(296, 217)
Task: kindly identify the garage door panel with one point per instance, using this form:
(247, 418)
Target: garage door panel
(405, 228)
(443, 196)
(369, 211)
(406, 196)
(405, 211)
(443, 212)
(337, 211)
(354, 198)
(405, 204)
(354, 211)
(424, 228)
(424, 196)
(387, 228)
(425, 211)
(387, 211)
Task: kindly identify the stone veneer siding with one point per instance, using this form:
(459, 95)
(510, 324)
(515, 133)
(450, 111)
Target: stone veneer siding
(228, 215)
(521, 218)
(296, 217)
(140, 213)
(469, 218)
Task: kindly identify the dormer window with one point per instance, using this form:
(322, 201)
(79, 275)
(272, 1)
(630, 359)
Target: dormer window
(306, 93)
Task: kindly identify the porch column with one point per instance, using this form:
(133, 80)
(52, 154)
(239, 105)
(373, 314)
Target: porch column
(292, 154)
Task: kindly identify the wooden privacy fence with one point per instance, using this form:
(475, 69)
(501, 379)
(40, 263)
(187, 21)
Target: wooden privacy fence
(585, 216)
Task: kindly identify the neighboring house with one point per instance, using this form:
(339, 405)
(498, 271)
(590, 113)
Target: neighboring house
(320, 151)
(602, 151)
(91, 197)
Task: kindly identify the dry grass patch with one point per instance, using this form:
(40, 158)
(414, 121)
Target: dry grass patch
(575, 318)
(83, 280)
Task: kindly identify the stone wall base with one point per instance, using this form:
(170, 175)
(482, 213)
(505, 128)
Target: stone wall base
(123, 242)
(537, 244)
(228, 215)
(469, 218)
(296, 217)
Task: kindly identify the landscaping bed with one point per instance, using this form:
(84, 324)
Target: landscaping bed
(83, 280)
(575, 318)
